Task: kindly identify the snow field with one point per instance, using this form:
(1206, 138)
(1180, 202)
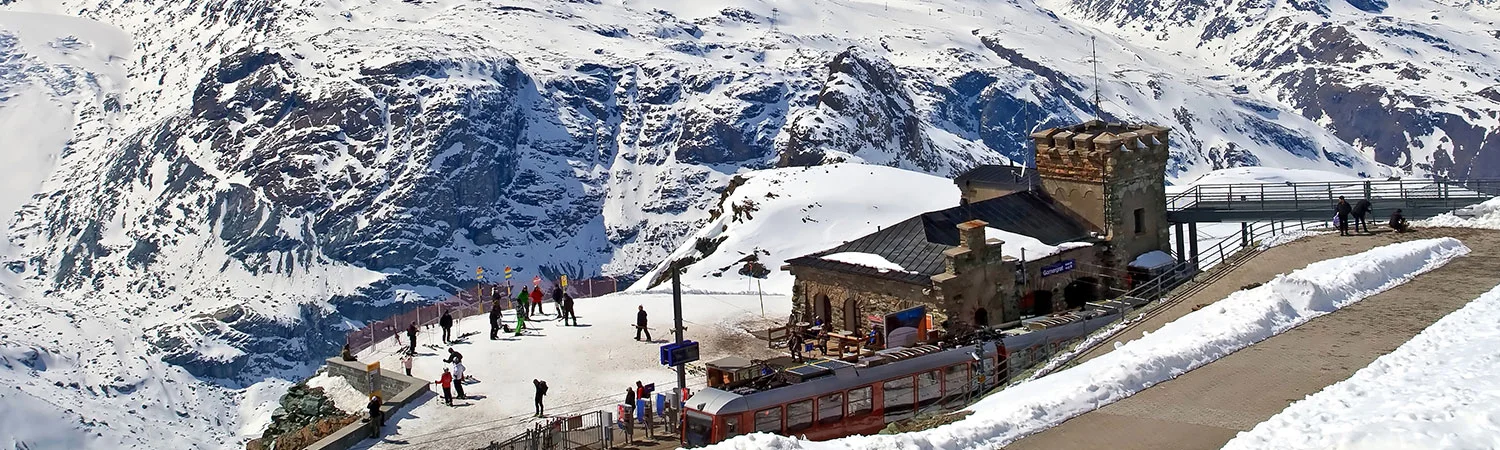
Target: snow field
(343, 394)
(586, 367)
(1483, 215)
(1436, 391)
(1239, 320)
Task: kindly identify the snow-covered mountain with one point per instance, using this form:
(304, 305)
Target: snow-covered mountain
(217, 197)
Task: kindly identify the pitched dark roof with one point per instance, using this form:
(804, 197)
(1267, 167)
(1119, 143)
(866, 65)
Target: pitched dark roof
(917, 243)
(1009, 177)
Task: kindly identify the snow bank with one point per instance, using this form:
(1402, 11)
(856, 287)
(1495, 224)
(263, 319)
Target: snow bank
(867, 260)
(1242, 319)
(1436, 391)
(1483, 215)
(343, 394)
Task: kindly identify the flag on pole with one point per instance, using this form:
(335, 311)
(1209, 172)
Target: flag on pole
(564, 281)
(536, 281)
(507, 272)
(479, 273)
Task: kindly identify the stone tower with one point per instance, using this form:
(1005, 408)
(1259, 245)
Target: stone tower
(1113, 176)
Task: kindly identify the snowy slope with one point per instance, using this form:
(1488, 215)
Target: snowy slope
(1242, 319)
(1432, 392)
(1413, 83)
(781, 214)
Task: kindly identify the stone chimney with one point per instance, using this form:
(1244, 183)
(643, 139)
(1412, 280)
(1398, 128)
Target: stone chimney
(971, 235)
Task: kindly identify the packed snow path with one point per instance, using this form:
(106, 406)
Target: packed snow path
(1436, 391)
(586, 367)
(1206, 407)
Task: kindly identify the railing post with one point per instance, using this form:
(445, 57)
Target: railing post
(1245, 234)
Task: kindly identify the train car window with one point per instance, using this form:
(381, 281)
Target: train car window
(929, 388)
(768, 420)
(900, 402)
(860, 401)
(956, 385)
(831, 408)
(731, 426)
(699, 429)
(799, 416)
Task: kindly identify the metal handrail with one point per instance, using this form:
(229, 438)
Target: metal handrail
(1149, 292)
(1428, 189)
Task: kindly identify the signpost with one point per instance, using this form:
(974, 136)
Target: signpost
(507, 282)
(372, 371)
(1058, 267)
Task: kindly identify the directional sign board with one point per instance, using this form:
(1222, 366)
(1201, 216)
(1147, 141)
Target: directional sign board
(679, 353)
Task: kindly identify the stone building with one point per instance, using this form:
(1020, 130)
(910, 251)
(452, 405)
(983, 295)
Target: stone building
(1022, 242)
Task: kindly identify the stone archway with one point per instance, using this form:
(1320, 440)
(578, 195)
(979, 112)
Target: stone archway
(822, 308)
(1080, 292)
(851, 315)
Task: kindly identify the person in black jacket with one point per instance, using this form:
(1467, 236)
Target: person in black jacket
(376, 417)
(567, 310)
(1398, 222)
(495, 315)
(1342, 210)
(1361, 209)
(541, 390)
(557, 298)
(640, 324)
(411, 335)
(447, 323)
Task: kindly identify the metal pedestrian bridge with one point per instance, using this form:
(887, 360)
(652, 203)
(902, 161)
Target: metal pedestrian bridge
(1314, 201)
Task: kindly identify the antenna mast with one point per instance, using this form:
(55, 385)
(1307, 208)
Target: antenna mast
(1094, 53)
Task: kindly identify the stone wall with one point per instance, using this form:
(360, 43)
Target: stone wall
(978, 277)
(398, 390)
(1103, 172)
(1086, 260)
(869, 296)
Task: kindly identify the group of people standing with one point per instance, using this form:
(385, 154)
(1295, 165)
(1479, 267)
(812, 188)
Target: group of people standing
(1344, 212)
(527, 303)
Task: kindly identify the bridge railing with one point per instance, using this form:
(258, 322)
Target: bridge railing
(1317, 194)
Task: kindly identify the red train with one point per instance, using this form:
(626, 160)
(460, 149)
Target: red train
(826, 399)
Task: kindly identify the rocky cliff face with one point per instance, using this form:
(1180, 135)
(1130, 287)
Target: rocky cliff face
(1411, 84)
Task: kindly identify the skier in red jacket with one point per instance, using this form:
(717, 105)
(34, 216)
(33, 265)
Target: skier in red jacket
(536, 300)
(447, 383)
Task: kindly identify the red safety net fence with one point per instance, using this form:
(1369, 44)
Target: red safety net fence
(472, 302)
